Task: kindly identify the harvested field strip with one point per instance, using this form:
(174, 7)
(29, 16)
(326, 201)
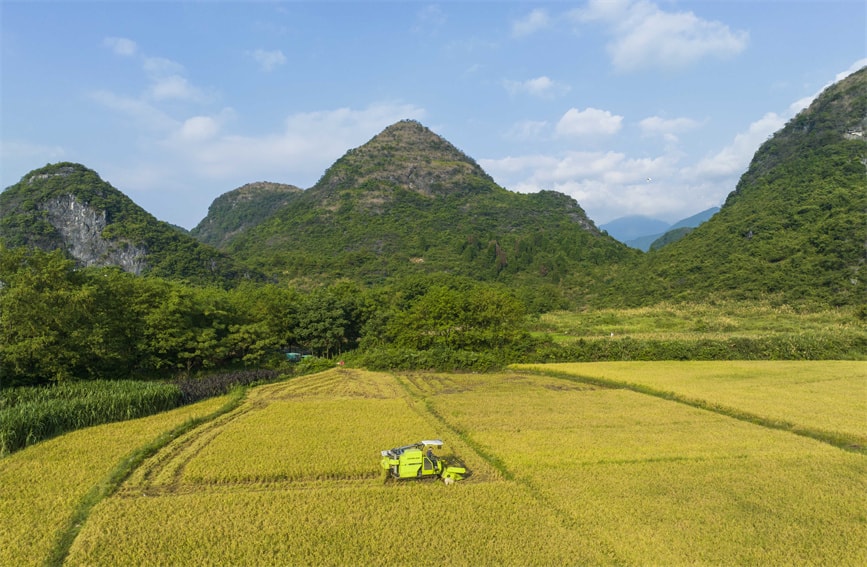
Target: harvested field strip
(109, 485)
(165, 468)
(42, 486)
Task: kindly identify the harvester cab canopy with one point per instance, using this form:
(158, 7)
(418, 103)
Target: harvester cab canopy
(398, 451)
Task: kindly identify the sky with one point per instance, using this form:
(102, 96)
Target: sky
(632, 107)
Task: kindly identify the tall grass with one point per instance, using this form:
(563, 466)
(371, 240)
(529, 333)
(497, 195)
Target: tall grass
(703, 320)
(29, 415)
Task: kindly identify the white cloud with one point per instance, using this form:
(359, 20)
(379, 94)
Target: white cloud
(307, 145)
(121, 45)
(606, 184)
(589, 122)
(734, 159)
(199, 128)
(542, 87)
(534, 21)
(174, 87)
(543, 171)
(144, 113)
(644, 36)
(667, 128)
(527, 130)
(268, 60)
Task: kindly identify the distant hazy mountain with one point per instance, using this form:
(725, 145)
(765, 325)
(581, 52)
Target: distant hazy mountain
(634, 226)
(641, 232)
(696, 219)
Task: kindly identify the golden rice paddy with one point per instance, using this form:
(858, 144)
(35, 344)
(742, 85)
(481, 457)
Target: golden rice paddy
(563, 472)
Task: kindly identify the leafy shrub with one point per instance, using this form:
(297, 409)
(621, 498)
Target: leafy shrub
(437, 359)
(813, 346)
(312, 365)
(217, 384)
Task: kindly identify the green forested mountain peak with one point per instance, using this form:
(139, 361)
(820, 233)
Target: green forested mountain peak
(69, 207)
(408, 155)
(835, 118)
(235, 211)
(408, 201)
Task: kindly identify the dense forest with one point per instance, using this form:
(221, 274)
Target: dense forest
(61, 322)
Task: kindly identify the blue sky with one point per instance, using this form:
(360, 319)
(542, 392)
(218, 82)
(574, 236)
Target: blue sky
(631, 107)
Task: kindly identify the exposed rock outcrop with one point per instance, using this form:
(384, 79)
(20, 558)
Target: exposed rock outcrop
(81, 228)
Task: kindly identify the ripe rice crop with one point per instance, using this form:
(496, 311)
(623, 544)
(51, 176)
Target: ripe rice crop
(564, 472)
(657, 482)
(333, 523)
(827, 397)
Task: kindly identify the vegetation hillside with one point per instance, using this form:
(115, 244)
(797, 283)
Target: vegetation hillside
(794, 228)
(234, 212)
(409, 202)
(66, 206)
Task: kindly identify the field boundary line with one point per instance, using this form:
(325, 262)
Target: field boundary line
(496, 463)
(112, 482)
(846, 442)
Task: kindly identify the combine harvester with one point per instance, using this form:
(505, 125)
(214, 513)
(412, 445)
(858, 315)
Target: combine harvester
(418, 461)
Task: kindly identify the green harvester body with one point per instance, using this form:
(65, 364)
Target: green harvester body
(414, 461)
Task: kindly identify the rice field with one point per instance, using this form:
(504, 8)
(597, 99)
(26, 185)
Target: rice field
(563, 472)
(41, 486)
(822, 397)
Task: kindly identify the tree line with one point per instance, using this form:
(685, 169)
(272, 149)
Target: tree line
(60, 322)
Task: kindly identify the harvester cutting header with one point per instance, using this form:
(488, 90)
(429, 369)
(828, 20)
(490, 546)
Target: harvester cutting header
(419, 461)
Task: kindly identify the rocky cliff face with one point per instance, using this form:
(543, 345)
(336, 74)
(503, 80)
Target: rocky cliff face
(81, 228)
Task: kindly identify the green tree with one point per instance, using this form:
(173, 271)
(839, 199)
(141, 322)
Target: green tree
(268, 318)
(481, 318)
(46, 317)
(330, 320)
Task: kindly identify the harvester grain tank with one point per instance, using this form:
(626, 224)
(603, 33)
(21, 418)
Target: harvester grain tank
(418, 461)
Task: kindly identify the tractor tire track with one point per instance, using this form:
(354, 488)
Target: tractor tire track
(121, 473)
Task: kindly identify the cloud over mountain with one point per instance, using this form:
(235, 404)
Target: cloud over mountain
(643, 36)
